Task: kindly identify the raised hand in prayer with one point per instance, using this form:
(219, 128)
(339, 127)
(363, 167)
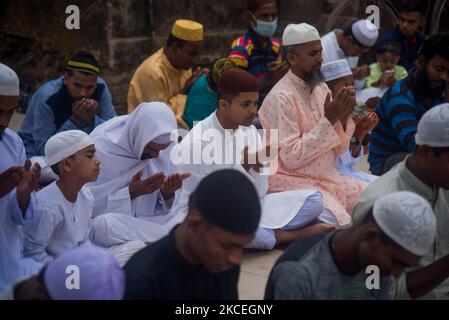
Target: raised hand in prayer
(257, 160)
(173, 183)
(361, 72)
(27, 184)
(189, 82)
(365, 125)
(387, 80)
(84, 110)
(342, 105)
(372, 103)
(9, 180)
(139, 187)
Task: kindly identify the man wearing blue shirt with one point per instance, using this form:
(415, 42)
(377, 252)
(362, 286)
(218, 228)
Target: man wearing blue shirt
(78, 100)
(406, 33)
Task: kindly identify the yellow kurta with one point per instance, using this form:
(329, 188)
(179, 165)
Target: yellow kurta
(157, 80)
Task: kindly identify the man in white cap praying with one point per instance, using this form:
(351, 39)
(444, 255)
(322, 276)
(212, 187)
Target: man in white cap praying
(301, 111)
(337, 74)
(349, 44)
(64, 208)
(395, 234)
(84, 273)
(18, 181)
(425, 172)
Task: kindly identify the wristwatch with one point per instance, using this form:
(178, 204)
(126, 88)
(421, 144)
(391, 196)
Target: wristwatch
(355, 142)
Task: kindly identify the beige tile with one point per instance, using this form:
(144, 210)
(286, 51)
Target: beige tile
(251, 286)
(260, 262)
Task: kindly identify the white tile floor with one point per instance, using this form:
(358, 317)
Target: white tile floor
(256, 265)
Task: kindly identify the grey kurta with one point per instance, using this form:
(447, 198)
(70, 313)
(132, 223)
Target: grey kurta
(400, 178)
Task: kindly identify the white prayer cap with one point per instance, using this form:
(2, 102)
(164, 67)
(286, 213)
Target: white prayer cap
(299, 33)
(85, 273)
(408, 220)
(65, 144)
(433, 128)
(9, 81)
(335, 70)
(365, 32)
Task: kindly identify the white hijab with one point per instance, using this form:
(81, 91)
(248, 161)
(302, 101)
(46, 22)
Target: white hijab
(120, 143)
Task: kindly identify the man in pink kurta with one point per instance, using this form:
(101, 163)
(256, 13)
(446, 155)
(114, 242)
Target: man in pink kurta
(310, 133)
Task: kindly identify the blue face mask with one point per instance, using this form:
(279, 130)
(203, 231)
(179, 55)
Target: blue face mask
(266, 29)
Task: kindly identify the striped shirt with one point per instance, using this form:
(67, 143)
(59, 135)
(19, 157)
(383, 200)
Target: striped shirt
(248, 53)
(399, 113)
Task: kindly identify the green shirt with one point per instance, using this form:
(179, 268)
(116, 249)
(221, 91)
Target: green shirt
(376, 73)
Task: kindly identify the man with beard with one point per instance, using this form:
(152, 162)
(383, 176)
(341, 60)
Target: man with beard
(311, 135)
(403, 105)
(167, 75)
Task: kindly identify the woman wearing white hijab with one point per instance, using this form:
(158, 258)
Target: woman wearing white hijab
(137, 180)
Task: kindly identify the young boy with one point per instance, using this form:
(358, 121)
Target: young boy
(386, 71)
(337, 75)
(64, 210)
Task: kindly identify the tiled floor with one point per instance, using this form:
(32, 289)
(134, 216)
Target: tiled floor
(256, 265)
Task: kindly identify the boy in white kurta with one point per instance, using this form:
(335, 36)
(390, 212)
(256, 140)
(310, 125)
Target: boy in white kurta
(218, 142)
(64, 210)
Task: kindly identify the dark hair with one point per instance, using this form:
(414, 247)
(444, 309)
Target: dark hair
(438, 44)
(368, 219)
(172, 40)
(413, 6)
(55, 168)
(389, 46)
(227, 97)
(348, 32)
(71, 72)
(289, 49)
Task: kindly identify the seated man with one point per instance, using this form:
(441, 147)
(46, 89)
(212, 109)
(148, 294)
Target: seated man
(225, 140)
(337, 75)
(350, 44)
(406, 33)
(256, 51)
(64, 208)
(202, 97)
(166, 76)
(17, 184)
(336, 267)
(80, 100)
(403, 105)
(200, 258)
(426, 173)
(138, 179)
(311, 136)
(100, 276)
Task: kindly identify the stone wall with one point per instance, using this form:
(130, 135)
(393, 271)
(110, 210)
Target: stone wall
(122, 33)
